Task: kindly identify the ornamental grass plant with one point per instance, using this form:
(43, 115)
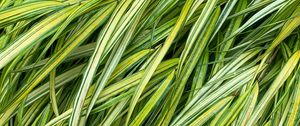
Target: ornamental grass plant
(149, 62)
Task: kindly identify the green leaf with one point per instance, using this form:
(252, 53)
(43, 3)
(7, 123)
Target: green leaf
(277, 83)
(286, 30)
(28, 10)
(35, 34)
(115, 57)
(292, 113)
(152, 101)
(153, 65)
(95, 22)
(52, 92)
(211, 112)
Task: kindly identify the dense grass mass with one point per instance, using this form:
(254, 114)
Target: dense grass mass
(149, 62)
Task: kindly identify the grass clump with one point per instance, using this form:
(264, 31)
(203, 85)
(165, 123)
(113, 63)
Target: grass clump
(150, 62)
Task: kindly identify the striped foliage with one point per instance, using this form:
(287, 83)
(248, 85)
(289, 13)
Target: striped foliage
(150, 62)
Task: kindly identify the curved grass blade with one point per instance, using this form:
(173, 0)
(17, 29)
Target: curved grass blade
(113, 115)
(226, 11)
(59, 56)
(249, 106)
(232, 112)
(259, 15)
(120, 86)
(194, 48)
(158, 58)
(211, 112)
(223, 91)
(28, 10)
(277, 83)
(52, 92)
(75, 14)
(286, 30)
(293, 112)
(115, 57)
(234, 25)
(107, 42)
(37, 33)
(152, 101)
(251, 8)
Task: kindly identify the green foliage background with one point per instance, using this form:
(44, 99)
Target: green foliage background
(150, 62)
